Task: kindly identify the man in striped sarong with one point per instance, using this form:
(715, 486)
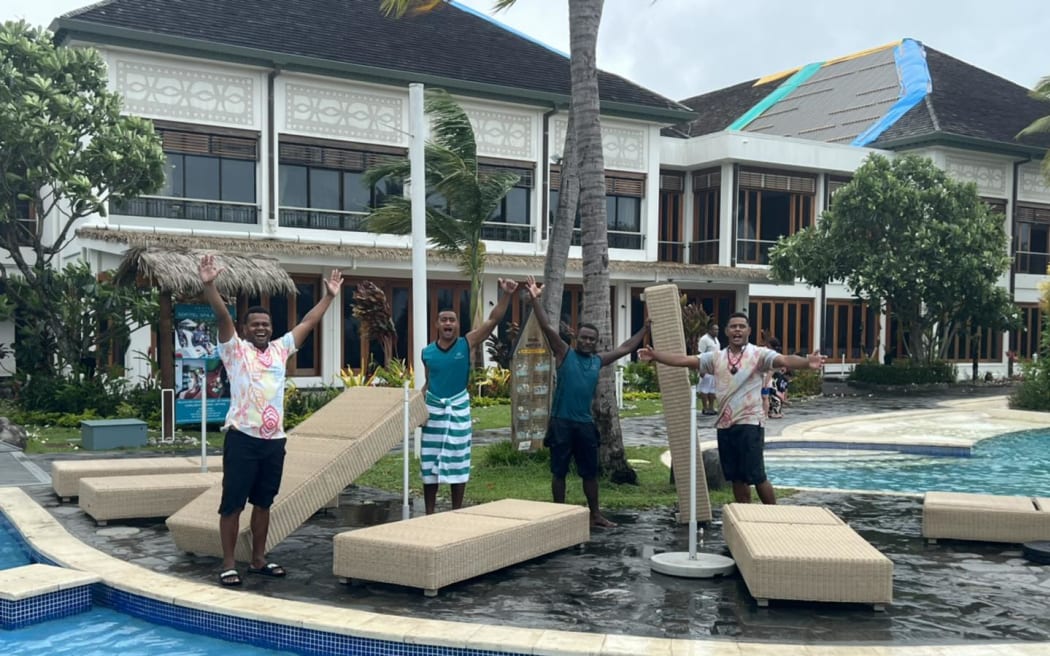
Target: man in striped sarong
(445, 456)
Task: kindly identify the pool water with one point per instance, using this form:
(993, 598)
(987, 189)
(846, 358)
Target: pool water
(104, 632)
(1011, 464)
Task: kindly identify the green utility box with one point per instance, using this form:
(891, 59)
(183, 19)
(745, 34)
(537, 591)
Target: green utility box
(101, 434)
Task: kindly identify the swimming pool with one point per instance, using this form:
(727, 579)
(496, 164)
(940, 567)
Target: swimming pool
(1011, 464)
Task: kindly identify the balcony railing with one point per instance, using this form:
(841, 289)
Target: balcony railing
(188, 209)
(617, 239)
(1031, 262)
(302, 217)
(753, 251)
(506, 231)
(703, 252)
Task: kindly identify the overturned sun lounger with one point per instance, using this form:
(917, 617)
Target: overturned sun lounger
(433, 551)
(665, 310)
(147, 495)
(805, 553)
(66, 474)
(324, 454)
(985, 517)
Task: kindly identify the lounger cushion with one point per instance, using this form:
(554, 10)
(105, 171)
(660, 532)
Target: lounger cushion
(985, 517)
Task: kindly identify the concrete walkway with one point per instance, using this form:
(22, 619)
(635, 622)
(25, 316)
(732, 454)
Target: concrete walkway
(955, 598)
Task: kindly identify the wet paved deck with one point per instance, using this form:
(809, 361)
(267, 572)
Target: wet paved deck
(944, 594)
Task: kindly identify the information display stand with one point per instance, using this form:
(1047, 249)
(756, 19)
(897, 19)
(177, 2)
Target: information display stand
(531, 387)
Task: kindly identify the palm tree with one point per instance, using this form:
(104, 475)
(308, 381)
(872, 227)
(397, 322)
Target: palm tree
(1041, 92)
(460, 197)
(583, 172)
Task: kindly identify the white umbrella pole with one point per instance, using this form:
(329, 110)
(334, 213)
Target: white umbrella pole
(405, 509)
(692, 474)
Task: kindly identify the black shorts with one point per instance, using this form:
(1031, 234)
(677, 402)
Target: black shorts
(574, 440)
(251, 471)
(740, 449)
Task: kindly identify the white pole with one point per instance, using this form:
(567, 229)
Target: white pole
(405, 511)
(692, 477)
(204, 422)
(418, 198)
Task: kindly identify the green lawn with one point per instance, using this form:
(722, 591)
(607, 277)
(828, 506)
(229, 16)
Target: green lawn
(498, 416)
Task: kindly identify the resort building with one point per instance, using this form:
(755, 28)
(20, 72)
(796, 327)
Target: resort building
(270, 113)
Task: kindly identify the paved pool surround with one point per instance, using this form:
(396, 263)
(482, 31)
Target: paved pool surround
(143, 586)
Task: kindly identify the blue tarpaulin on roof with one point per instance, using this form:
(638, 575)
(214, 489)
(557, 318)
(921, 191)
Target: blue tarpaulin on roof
(915, 84)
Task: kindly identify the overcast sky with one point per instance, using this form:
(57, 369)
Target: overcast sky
(681, 48)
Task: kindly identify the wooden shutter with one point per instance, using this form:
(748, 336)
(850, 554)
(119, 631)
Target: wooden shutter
(777, 182)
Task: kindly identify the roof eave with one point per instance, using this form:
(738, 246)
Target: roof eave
(71, 29)
(968, 142)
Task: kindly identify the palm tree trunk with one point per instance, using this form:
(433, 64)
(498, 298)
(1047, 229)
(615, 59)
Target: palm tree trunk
(561, 231)
(584, 20)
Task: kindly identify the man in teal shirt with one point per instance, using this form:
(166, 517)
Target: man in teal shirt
(572, 434)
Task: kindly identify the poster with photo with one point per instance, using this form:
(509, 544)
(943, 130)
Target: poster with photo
(198, 369)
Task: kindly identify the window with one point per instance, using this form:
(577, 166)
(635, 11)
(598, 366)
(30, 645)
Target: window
(286, 312)
(322, 186)
(359, 349)
(1031, 239)
(623, 207)
(207, 177)
(707, 195)
(25, 224)
(512, 220)
(672, 238)
(1024, 342)
(850, 330)
(770, 206)
(789, 320)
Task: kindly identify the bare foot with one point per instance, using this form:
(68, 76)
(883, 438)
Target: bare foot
(597, 521)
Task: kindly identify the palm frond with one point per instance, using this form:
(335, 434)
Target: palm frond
(1038, 126)
(398, 8)
(492, 187)
(1042, 89)
(451, 126)
(398, 169)
(500, 5)
(446, 232)
(394, 217)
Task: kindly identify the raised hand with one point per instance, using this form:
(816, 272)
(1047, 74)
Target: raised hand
(508, 286)
(334, 283)
(816, 360)
(645, 354)
(209, 270)
(535, 291)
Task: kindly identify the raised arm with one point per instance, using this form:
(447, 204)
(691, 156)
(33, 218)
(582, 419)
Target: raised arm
(811, 361)
(482, 332)
(332, 285)
(632, 343)
(648, 354)
(557, 344)
(209, 271)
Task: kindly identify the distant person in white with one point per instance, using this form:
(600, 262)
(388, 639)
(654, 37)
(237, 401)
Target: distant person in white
(708, 344)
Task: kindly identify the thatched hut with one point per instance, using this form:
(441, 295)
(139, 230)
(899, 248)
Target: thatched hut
(175, 272)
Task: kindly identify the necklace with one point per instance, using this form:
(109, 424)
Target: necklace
(734, 366)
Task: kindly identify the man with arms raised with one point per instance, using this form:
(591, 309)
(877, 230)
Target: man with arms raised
(445, 453)
(253, 450)
(738, 372)
(572, 433)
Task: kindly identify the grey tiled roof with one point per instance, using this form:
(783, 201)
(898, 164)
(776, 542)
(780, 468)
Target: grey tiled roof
(447, 42)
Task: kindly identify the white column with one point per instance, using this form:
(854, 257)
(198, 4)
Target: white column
(726, 203)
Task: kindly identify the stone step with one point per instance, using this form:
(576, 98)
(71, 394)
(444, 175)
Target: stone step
(36, 593)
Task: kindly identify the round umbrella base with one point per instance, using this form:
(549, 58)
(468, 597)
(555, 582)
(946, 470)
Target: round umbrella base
(1037, 552)
(703, 566)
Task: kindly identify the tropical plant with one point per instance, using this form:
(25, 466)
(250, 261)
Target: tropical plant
(394, 374)
(694, 323)
(932, 252)
(500, 346)
(461, 196)
(372, 310)
(67, 150)
(1041, 125)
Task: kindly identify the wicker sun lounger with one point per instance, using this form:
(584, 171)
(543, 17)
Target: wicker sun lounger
(324, 454)
(147, 495)
(806, 554)
(665, 311)
(433, 551)
(66, 474)
(985, 517)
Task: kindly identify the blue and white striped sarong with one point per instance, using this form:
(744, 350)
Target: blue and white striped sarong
(445, 454)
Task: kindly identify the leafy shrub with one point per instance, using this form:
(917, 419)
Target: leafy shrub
(488, 401)
(1034, 391)
(69, 396)
(505, 454)
(640, 396)
(903, 372)
(806, 382)
(300, 404)
(640, 377)
(493, 382)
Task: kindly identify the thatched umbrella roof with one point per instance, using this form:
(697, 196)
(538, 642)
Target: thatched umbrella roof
(175, 270)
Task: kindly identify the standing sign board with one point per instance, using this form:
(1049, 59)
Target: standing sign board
(531, 388)
(198, 369)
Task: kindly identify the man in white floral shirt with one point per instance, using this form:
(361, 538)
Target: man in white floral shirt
(738, 370)
(253, 450)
